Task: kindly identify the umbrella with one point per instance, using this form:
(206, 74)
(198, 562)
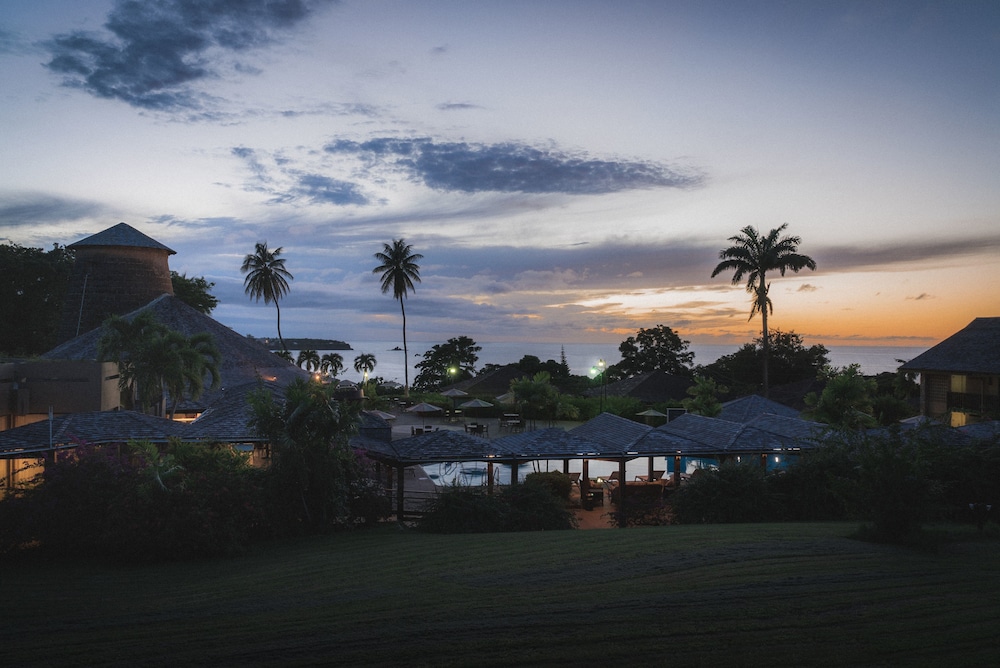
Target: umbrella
(476, 403)
(651, 413)
(382, 414)
(455, 392)
(424, 407)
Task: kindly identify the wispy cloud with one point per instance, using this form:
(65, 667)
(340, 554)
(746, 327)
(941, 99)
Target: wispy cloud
(513, 167)
(26, 208)
(153, 51)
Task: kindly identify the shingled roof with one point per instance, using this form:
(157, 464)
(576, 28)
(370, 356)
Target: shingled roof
(93, 427)
(747, 408)
(975, 349)
(122, 234)
(650, 387)
(243, 360)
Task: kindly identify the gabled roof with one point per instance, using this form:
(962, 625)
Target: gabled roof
(551, 443)
(975, 349)
(121, 234)
(747, 408)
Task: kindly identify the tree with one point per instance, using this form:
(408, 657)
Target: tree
(33, 286)
(154, 360)
(399, 271)
(752, 256)
(308, 360)
(656, 349)
(846, 401)
(195, 292)
(704, 397)
(790, 361)
(364, 364)
(313, 471)
(266, 277)
(447, 362)
(331, 363)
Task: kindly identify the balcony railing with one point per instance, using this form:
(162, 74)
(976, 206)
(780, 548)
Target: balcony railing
(979, 403)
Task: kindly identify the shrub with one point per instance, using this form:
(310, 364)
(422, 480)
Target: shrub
(533, 506)
(644, 506)
(530, 506)
(558, 483)
(733, 493)
(459, 509)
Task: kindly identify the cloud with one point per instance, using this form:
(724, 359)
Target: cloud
(157, 48)
(807, 287)
(457, 106)
(923, 296)
(839, 258)
(24, 209)
(512, 167)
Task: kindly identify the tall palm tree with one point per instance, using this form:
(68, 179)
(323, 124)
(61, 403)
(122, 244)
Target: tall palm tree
(266, 277)
(399, 270)
(332, 363)
(364, 363)
(752, 256)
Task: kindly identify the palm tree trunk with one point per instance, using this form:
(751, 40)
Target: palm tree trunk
(280, 340)
(767, 340)
(406, 354)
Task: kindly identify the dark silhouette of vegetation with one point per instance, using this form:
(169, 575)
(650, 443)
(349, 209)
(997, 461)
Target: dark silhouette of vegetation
(447, 363)
(751, 256)
(529, 506)
(194, 291)
(655, 349)
(33, 285)
(790, 361)
(399, 271)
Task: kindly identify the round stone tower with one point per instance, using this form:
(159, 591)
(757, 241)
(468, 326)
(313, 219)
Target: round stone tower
(116, 271)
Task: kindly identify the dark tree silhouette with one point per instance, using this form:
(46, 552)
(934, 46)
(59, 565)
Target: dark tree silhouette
(399, 271)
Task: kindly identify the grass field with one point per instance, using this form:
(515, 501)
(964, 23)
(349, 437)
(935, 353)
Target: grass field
(769, 595)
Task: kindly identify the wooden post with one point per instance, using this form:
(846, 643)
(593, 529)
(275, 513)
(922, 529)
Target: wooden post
(677, 470)
(513, 472)
(489, 477)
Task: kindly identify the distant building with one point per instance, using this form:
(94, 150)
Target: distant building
(960, 377)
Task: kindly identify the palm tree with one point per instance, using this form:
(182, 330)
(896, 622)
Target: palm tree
(399, 270)
(187, 360)
(332, 363)
(266, 277)
(308, 360)
(364, 363)
(752, 256)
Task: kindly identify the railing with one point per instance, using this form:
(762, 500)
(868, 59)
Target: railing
(966, 401)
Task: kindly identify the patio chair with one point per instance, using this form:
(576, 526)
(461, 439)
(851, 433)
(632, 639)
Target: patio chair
(656, 477)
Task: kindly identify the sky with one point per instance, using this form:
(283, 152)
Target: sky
(569, 170)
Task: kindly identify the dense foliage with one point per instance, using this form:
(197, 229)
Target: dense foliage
(33, 286)
(139, 504)
(529, 506)
(790, 361)
(447, 363)
(196, 292)
(655, 349)
(894, 480)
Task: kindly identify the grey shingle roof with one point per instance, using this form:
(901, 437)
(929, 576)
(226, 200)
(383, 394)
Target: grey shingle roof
(243, 360)
(121, 234)
(551, 443)
(651, 387)
(94, 427)
(612, 433)
(746, 408)
(974, 349)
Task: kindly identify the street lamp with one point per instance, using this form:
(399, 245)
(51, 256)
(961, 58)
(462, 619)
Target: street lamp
(596, 371)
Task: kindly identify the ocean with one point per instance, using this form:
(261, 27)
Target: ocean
(581, 357)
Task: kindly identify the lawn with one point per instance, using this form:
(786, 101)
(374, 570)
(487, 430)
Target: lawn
(770, 595)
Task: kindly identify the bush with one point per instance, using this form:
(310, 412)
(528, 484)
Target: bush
(733, 493)
(460, 509)
(558, 483)
(644, 506)
(533, 506)
(530, 506)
